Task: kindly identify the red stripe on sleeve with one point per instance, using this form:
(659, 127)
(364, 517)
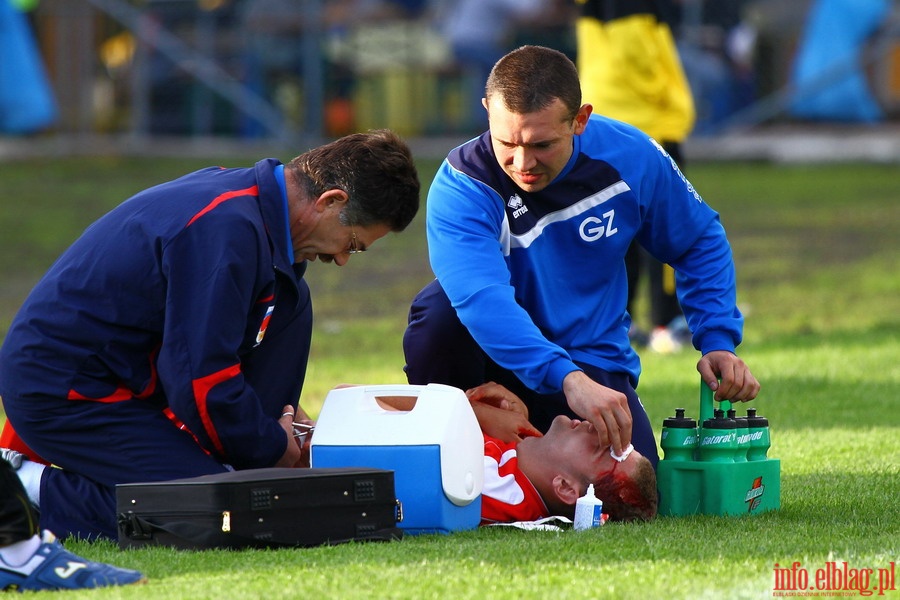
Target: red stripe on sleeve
(122, 392)
(250, 191)
(202, 387)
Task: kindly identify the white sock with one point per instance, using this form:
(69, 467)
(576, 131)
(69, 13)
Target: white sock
(30, 475)
(19, 553)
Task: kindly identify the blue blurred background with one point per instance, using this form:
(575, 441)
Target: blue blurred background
(302, 71)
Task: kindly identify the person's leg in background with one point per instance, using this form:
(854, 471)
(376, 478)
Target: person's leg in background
(664, 307)
(669, 331)
(634, 258)
(18, 518)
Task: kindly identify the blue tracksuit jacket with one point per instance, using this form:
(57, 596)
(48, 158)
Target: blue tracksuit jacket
(539, 278)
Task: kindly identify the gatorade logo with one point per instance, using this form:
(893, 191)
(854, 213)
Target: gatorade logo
(754, 494)
(690, 440)
(712, 440)
(750, 437)
(69, 570)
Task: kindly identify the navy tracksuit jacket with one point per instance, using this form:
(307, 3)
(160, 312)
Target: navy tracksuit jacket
(163, 343)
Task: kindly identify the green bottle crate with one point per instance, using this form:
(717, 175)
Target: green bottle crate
(721, 487)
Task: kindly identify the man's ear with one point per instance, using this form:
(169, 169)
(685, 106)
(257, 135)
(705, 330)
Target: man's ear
(581, 118)
(565, 490)
(331, 199)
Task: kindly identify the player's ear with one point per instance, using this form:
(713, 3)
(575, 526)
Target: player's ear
(565, 489)
(331, 199)
(581, 118)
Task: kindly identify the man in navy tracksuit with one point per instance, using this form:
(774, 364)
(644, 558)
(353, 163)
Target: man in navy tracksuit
(528, 226)
(171, 339)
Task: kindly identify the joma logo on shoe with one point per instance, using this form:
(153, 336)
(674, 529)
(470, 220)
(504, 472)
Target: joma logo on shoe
(71, 569)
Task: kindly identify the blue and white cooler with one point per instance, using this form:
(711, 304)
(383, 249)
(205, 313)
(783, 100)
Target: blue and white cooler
(428, 435)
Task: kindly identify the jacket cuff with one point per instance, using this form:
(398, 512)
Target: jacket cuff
(557, 372)
(716, 340)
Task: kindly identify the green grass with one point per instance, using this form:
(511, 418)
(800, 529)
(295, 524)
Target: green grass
(816, 250)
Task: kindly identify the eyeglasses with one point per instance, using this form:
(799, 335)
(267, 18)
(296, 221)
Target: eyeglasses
(354, 243)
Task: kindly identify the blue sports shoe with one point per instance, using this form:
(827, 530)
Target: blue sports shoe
(54, 568)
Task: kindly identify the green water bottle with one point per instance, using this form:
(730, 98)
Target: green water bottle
(743, 436)
(679, 437)
(759, 436)
(718, 438)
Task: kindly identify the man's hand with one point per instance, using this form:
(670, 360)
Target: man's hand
(305, 442)
(504, 425)
(498, 396)
(293, 455)
(737, 382)
(500, 413)
(606, 409)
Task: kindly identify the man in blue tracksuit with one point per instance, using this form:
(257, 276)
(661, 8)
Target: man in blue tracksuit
(171, 339)
(528, 226)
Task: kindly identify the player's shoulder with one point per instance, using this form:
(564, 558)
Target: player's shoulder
(473, 157)
(603, 130)
(623, 146)
(471, 168)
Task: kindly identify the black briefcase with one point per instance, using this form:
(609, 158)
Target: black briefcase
(260, 508)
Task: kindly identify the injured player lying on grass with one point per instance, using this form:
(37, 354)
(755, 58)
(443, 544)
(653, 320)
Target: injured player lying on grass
(529, 476)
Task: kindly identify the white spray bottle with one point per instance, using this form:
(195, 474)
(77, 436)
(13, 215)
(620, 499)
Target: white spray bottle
(588, 510)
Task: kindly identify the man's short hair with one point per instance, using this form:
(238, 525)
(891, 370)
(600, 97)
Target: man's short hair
(530, 78)
(629, 497)
(375, 169)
